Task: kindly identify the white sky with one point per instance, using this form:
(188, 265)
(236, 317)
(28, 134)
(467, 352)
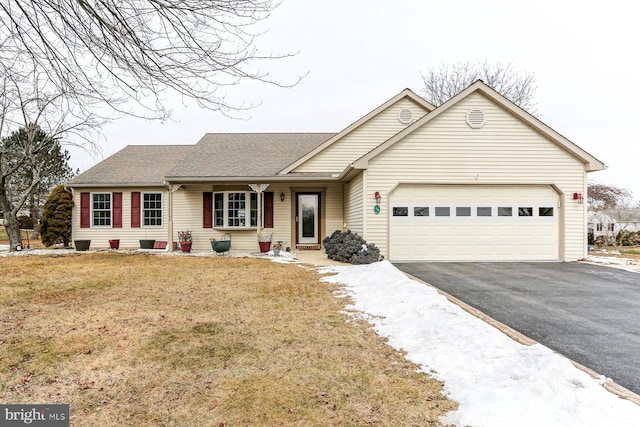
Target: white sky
(359, 53)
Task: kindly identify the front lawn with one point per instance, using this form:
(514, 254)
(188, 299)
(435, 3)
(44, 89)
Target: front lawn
(171, 340)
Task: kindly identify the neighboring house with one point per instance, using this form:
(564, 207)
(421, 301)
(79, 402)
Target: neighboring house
(475, 179)
(610, 222)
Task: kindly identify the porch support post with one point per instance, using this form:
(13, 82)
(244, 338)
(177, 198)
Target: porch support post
(259, 188)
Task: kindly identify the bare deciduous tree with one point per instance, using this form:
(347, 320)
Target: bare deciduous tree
(115, 51)
(33, 120)
(441, 84)
(603, 196)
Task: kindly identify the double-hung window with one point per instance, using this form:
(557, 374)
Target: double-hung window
(152, 209)
(101, 209)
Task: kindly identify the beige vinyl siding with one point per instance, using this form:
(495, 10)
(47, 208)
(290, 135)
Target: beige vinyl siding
(187, 208)
(504, 151)
(359, 142)
(353, 199)
(333, 210)
(129, 237)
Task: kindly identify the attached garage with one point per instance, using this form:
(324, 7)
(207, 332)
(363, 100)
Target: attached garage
(474, 223)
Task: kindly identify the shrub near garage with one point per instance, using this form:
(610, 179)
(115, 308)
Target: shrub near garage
(349, 247)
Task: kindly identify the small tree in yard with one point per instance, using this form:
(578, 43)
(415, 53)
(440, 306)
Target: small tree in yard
(55, 224)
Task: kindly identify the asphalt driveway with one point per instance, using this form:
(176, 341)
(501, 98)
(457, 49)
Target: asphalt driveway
(588, 313)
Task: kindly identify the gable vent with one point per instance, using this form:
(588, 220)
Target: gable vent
(405, 116)
(476, 118)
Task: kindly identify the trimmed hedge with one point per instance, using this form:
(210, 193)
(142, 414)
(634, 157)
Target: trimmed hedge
(345, 246)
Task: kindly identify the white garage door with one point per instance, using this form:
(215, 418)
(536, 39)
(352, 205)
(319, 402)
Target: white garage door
(474, 223)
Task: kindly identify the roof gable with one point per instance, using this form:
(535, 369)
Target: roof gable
(406, 93)
(592, 164)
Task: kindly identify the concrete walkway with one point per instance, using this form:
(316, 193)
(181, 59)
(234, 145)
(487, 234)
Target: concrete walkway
(318, 258)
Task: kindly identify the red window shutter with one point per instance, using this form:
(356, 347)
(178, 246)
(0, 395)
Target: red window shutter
(117, 210)
(268, 209)
(207, 210)
(135, 209)
(85, 210)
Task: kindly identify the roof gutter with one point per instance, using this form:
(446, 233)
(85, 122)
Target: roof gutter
(284, 178)
(117, 184)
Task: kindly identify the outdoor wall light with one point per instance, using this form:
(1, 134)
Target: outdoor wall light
(377, 197)
(579, 197)
(282, 197)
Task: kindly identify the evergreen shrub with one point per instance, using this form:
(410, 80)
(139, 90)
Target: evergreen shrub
(345, 246)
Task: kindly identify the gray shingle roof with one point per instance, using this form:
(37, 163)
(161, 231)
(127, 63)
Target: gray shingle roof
(134, 164)
(215, 155)
(245, 154)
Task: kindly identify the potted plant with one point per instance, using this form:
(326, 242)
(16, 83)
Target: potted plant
(264, 241)
(147, 243)
(82, 245)
(277, 247)
(185, 239)
(222, 245)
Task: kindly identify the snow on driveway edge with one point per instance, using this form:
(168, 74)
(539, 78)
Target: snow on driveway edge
(495, 380)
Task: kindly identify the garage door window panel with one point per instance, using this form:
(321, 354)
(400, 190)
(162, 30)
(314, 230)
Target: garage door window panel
(463, 211)
(543, 211)
(525, 211)
(443, 211)
(505, 211)
(421, 211)
(483, 211)
(401, 211)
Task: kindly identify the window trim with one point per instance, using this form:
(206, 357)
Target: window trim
(225, 210)
(110, 210)
(142, 209)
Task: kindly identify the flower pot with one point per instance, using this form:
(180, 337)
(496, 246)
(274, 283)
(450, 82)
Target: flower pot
(276, 252)
(147, 244)
(264, 246)
(82, 245)
(114, 243)
(185, 246)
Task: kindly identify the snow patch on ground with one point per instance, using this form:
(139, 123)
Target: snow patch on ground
(284, 257)
(495, 380)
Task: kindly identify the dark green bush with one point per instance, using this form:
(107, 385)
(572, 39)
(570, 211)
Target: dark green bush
(345, 246)
(55, 224)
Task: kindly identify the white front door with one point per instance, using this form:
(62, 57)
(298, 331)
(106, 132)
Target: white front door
(308, 218)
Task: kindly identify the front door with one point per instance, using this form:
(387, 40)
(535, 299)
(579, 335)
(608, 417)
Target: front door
(308, 218)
